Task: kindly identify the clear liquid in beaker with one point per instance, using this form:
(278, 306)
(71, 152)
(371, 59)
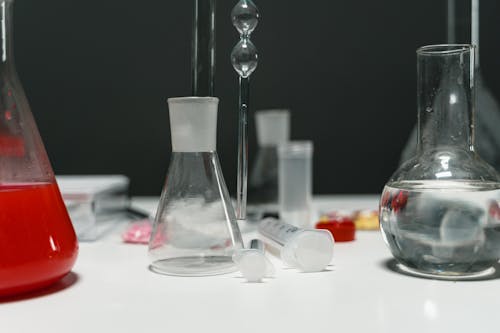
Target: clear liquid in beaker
(442, 227)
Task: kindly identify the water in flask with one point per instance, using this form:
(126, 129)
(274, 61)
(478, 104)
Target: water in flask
(435, 226)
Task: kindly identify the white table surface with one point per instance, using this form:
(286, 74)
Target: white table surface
(112, 290)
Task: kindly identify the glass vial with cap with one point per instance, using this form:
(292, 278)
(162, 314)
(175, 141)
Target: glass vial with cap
(439, 212)
(295, 182)
(195, 231)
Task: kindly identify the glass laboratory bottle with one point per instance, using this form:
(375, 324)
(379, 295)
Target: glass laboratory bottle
(273, 130)
(38, 245)
(439, 212)
(195, 231)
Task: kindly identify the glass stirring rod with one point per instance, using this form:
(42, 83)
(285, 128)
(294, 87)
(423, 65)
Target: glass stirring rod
(244, 58)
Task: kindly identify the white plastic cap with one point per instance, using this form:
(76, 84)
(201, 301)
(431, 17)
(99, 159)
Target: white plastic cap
(253, 264)
(193, 123)
(273, 127)
(309, 250)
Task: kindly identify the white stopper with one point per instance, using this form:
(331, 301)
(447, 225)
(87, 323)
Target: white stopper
(253, 264)
(273, 127)
(193, 123)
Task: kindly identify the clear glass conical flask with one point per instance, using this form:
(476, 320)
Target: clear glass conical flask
(38, 245)
(439, 212)
(273, 129)
(195, 231)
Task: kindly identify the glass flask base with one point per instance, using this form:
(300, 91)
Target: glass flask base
(450, 275)
(444, 229)
(194, 266)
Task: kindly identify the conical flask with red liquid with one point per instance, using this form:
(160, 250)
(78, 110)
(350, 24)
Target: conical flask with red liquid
(38, 245)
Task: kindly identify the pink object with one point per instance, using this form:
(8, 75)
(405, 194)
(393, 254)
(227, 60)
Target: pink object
(138, 232)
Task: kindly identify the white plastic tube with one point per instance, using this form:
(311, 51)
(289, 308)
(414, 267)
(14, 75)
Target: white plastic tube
(305, 249)
(295, 160)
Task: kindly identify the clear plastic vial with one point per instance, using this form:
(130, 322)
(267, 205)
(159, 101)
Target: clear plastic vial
(295, 182)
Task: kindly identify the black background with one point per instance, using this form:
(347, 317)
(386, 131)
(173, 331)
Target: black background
(98, 73)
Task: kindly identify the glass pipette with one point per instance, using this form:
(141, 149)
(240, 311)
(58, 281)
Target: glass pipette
(245, 17)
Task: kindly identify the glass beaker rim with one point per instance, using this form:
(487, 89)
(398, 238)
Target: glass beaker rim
(192, 99)
(444, 49)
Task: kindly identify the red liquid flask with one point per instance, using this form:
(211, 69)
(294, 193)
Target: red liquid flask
(38, 245)
(37, 242)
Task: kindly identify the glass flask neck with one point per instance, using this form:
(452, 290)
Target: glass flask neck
(445, 97)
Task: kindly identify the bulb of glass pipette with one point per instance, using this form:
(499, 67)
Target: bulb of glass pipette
(244, 58)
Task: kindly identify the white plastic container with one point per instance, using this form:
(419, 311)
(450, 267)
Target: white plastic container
(295, 182)
(309, 250)
(92, 200)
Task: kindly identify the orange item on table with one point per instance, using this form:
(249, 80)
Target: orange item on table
(362, 219)
(366, 220)
(341, 227)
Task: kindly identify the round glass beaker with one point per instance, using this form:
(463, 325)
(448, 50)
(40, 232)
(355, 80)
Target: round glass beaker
(439, 211)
